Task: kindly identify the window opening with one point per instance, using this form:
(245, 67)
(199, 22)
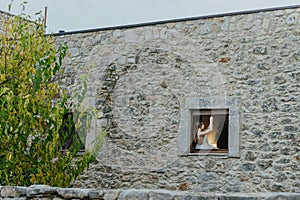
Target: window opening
(209, 130)
(68, 135)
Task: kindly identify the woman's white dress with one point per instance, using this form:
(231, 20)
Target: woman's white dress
(205, 144)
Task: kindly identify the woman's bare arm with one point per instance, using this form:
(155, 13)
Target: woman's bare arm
(210, 127)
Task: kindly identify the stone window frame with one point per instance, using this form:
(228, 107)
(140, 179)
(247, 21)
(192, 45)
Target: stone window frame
(192, 103)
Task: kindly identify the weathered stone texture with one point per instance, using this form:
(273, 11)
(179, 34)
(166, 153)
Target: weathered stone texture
(9, 193)
(3, 18)
(140, 76)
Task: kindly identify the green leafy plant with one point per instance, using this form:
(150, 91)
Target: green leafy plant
(33, 130)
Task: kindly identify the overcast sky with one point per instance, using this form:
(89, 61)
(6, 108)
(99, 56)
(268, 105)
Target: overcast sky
(70, 15)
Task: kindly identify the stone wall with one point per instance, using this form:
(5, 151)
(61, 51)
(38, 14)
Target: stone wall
(53, 193)
(139, 77)
(3, 17)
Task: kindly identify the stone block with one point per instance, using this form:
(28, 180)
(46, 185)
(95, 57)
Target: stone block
(131, 60)
(35, 190)
(148, 34)
(84, 51)
(205, 29)
(130, 36)
(10, 191)
(161, 195)
(75, 193)
(94, 194)
(122, 60)
(282, 196)
(239, 197)
(111, 195)
(292, 19)
(196, 196)
(248, 166)
(73, 52)
(134, 195)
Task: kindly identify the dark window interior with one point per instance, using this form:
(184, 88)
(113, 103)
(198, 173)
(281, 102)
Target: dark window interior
(218, 137)
(68, 135)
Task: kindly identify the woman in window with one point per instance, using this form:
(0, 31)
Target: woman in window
(202, 132)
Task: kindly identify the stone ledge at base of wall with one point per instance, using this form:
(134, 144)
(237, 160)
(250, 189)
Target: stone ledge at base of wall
(44, 192)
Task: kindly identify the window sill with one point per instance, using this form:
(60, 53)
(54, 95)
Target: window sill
(214, 153)
(221, 155)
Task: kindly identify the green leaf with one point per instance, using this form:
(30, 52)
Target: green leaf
(32, 110)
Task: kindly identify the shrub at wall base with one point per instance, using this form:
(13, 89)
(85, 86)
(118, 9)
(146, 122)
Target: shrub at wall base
(32, 107)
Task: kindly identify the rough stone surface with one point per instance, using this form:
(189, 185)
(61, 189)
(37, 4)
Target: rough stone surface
(3, 17)
(133, 195)
(140, 76)
(69, 193)
(7, 191)
(130, 194)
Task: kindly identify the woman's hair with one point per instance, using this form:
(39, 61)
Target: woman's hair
(201, 124)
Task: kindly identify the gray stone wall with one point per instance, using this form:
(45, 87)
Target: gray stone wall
(52, 193)
(3, 17)
(140, 76)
